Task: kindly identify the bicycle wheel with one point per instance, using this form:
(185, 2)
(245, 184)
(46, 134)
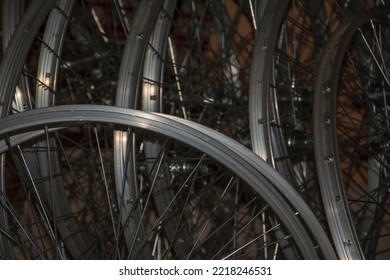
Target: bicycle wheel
(240, 228)
(156, 54)
(79, 46)
(194, 61)
(286, 54)
(350, 109)
(71, 60)
(11, 13)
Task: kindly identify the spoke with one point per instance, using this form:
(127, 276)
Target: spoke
(119, 7)
(160, 219)
(42, 208)
(52, 187)
(377, 63)
(103, 174)
(21, 224)
(208, 220)
(253, 15)
(253, 240)
(99, 25)
(148, 199)
(176, 72)
(75, 180)
(264, 234)
(379, 44)
(238, 232)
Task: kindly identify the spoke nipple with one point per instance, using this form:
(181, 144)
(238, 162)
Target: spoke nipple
(347, 243)
(338, 198)
(326, 90)
(265, 46)
(130, 200)
(329, 159)
(140, 35)
(325, 121)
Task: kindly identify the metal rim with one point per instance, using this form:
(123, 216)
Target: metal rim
(325, 135)
(232, 154)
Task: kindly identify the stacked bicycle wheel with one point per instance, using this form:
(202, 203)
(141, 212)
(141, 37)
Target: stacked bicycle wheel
(126, 129)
